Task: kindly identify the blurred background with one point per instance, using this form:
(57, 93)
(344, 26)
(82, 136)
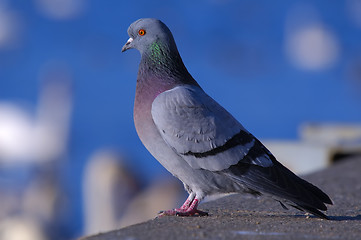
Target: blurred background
(70, 160)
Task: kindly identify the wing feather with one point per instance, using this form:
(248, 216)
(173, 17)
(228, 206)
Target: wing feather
(202, 131)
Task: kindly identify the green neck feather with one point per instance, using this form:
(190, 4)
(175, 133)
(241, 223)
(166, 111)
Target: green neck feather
(164, 61)
(158, 53)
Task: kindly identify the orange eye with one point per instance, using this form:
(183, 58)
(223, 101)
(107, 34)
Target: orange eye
(141, 32)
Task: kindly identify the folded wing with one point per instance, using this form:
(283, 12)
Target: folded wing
(202, 131)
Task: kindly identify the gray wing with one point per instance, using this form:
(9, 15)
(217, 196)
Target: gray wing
(201, 131)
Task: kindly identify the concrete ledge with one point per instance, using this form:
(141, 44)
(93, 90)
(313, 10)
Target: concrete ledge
(245, 217)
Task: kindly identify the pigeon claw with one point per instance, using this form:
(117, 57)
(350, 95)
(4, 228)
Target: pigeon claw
(180, 213)
(196, 213)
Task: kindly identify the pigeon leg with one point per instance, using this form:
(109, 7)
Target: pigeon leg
(187, 203)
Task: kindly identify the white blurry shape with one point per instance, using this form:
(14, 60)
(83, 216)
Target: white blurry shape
(300, 157)
(20, 228)
(61, 9)
(312, 48)
(107, 189)
(309, 44)
(16, 127)
(163, 194)
(10, 202)
(331, 134)
(54, 110)
(353, 8)
(25, 137)
(10, 27)
(41, 198)
(321, 144)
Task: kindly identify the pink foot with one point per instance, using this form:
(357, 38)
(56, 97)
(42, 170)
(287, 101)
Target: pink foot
(189, 208)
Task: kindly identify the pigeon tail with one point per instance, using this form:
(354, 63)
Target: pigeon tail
(280, 182)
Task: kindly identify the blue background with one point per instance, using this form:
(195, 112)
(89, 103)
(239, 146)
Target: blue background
(234, 49)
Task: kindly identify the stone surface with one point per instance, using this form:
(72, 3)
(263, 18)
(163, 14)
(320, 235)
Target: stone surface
(245, 217)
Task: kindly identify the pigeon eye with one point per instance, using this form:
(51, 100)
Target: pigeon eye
(141, 32)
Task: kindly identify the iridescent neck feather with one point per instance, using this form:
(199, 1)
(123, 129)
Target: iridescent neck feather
(162, 60)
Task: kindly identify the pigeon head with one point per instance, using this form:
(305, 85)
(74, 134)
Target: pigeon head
(159, 53)
(149, 35)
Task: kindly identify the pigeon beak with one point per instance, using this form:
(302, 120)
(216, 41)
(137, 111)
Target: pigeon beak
(127, 45)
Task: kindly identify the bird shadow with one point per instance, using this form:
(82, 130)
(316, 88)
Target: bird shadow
(345, 218)
(331, 218)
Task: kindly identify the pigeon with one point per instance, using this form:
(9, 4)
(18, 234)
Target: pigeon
(196, 139)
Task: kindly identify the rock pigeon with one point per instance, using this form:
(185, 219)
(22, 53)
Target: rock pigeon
(196, 139)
